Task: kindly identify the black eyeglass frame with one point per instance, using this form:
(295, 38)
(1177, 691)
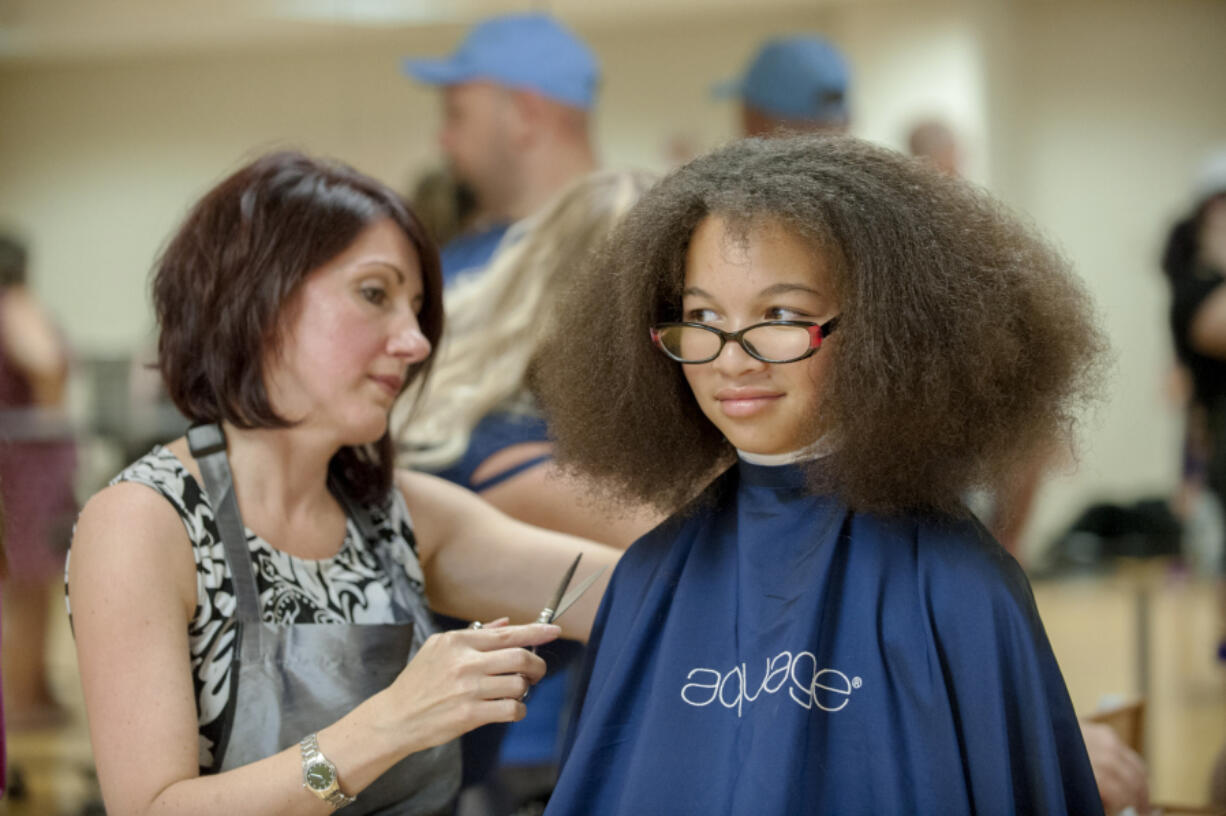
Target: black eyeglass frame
(817, 333)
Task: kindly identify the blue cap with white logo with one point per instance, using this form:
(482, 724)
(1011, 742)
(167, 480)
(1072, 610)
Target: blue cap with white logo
(525, 51)
(797, 77)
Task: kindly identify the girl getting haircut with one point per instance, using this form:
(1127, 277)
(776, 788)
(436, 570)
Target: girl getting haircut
(821, 628)
(965, 340)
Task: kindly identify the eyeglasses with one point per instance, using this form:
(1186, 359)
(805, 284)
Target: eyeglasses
(776, 341)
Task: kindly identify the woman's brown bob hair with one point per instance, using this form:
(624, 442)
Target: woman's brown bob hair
(223, 281)
(964, 340)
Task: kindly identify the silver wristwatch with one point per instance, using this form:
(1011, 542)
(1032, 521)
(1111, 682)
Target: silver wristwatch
(319, 774)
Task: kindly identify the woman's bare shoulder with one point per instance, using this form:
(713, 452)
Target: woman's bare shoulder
(127, 536)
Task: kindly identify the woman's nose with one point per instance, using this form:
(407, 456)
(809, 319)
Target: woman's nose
(408, 341)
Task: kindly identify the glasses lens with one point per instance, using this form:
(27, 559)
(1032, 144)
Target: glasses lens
(689, 343)
(778, 344)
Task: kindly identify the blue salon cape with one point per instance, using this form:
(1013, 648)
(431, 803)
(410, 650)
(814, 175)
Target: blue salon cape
(776, 653)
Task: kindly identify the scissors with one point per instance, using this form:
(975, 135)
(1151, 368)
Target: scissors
(560, 601)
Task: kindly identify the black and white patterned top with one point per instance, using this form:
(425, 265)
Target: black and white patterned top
(349, 587)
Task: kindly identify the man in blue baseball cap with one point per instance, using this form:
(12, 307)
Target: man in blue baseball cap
(517, 94)
(795, 83)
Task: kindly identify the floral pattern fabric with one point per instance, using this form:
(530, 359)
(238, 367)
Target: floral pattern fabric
(349, 587)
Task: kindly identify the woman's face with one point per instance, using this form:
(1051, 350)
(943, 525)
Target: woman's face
(348, 337)
(730, 283)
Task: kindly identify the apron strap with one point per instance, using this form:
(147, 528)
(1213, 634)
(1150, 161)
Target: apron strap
(208, 445)
(359, 513)
(374, 540)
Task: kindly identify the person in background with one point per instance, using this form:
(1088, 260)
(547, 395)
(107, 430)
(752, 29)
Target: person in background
(37, 465)
(478, 425)
(797, 83)
(1194, 261)
(445, 206)
(4, 571)
(517, 99)
(856, 338)
(934, 141)
(250, 602)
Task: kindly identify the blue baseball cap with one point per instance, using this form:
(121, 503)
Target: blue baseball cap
(526, 51)
(798, 77)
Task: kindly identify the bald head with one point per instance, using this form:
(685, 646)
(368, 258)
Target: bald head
(934, 141)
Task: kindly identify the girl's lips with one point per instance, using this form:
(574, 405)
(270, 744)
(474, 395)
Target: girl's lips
(743, 404)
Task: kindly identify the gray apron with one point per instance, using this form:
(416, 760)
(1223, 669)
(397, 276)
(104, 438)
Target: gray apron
(293, 680)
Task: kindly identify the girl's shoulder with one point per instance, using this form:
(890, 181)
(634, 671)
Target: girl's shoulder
(946, 554)
(656, 544)
(967, 580)
(961, 549)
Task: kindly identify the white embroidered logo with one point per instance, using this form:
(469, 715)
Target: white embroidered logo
(808, 686)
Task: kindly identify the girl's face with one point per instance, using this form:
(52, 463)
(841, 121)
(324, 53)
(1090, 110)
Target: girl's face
(348, 337)
(772, 274)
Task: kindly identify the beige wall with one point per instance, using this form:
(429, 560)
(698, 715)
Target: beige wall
(1087, 115)
(100, 160)
(1112, 106)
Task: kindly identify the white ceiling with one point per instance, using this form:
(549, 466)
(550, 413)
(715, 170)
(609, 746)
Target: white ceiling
(75, 29)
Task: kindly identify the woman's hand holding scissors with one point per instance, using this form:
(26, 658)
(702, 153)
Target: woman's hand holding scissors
(558, 603)
(458, 681)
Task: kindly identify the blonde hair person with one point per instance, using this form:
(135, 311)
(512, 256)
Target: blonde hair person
(497, 320)
(478, 427)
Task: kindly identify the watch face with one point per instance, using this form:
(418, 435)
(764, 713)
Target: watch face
(319, 776)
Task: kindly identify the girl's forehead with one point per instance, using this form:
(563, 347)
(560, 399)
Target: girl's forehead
(760, 251)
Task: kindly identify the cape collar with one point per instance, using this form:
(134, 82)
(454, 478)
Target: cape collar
(817, 450)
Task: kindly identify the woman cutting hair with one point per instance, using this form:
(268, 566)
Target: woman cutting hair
(249, 602)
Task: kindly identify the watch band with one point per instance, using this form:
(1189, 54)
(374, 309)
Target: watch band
(337, 799)
(311, 755)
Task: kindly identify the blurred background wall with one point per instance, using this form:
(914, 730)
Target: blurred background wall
(1087, 115)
